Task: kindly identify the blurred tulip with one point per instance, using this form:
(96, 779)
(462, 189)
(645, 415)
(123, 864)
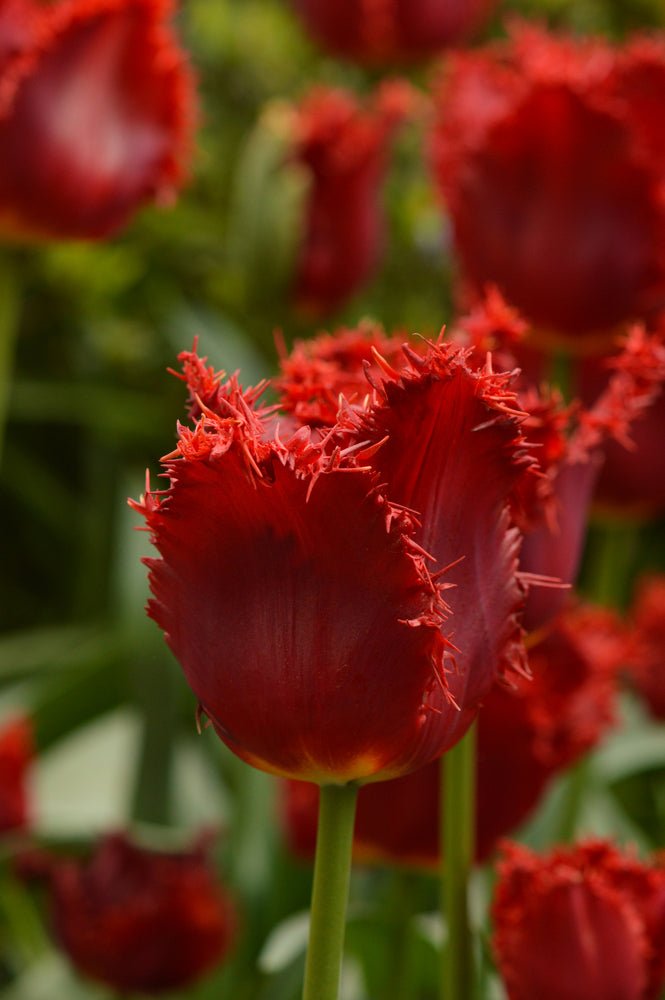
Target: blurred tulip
(139, 920)
(632, 479)
(96, 114)
(531, 732)
(381, 31)
(16, 752)
(344, 148)
(549, 157)
(319, 370)
(582, 922)
(646, 643)
(301, 581)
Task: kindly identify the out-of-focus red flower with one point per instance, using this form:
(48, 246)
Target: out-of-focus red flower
(646, 643)
(16, 752)
(301, 581)
(530, 732)
(96, 110)
(554, 547)
(550, 162)
(139, 920)
(632, 479)
(344, 148)
(320, 370)
(383, 31)
(582, 922)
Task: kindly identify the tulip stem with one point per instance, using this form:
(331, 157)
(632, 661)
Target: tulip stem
(613, 556)
(332, 869)
(458, 798)
(9, 317)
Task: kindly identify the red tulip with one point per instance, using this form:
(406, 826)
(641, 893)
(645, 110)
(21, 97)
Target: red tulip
(583, 922)
(344, 148)
(96, 109)
(319, 370)
(301, 581)
(632, 480)
(138, 920)
(552, 508)
(380, 31)
(530, 731)
(15, 757)
(549, 157)
(646, 643)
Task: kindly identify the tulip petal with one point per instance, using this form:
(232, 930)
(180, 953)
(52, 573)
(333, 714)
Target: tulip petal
(455, 454)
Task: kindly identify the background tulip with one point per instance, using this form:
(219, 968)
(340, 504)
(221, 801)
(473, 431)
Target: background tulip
(140, 920)
(16, 752)
(538, 147)
(391, 30)
(96, 116)
(584, 921)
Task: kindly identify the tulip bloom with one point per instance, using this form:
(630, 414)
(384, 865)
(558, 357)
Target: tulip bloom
(632, 480)
(646, 643)
(380, 31)
(552, 509)
(549, 157)
(344, 149)
(15, 757)
(301, 581)
(531, 731)
(138, 920)
(96, 109)
(583, 922)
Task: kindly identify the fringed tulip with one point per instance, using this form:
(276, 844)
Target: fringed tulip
(552, 508)
(584, 922)
(632, 480)
(549, 156)
(646, 643)
(301, 581)
(531, 731)
(139, 920)
(16, 752)
(383, 31)
(344, 149)
(96, 109)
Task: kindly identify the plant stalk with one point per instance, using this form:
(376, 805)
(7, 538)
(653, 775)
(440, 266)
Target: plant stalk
(458, 798)
(332, 869)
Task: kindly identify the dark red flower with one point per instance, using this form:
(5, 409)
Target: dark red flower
(583, 922)
(140, 920)
(344, 148)
(96, 109)
(16, 752)
(530, 732)
(632, 479)
(381, 31)
(547, 154)
(646, 643)
(568, 442)
(301, 581)
(320, 370)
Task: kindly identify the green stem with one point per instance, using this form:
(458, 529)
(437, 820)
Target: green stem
(332, 869)
(458, 797)
(400, 906)
(9, 317)
(612, 561)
